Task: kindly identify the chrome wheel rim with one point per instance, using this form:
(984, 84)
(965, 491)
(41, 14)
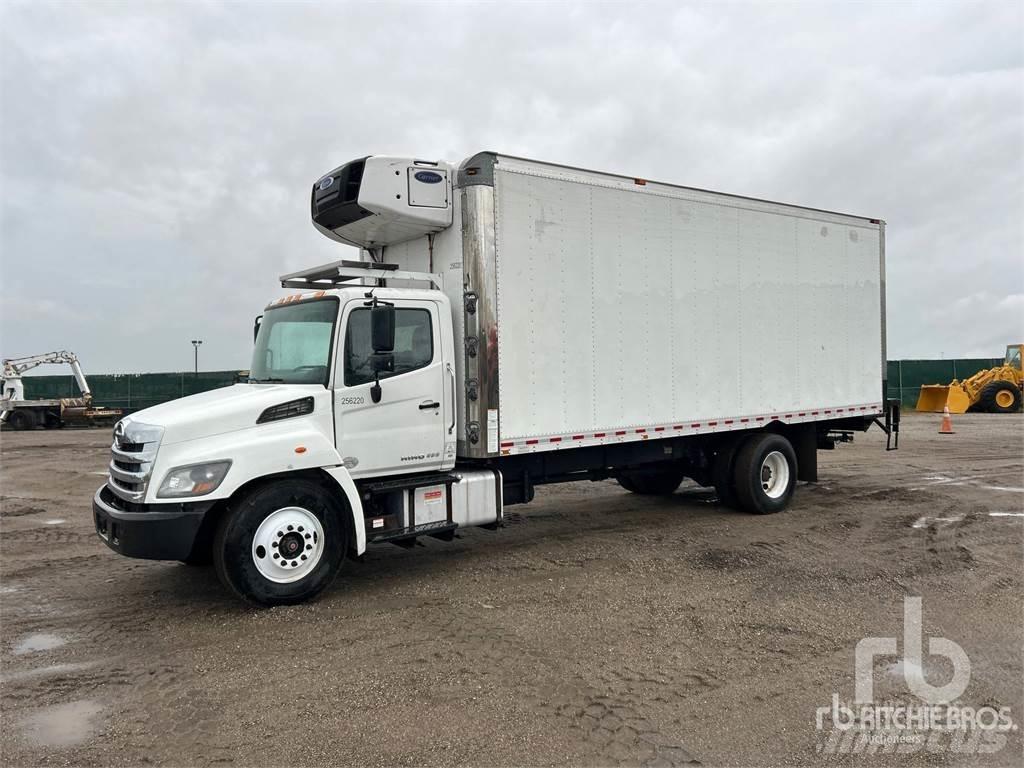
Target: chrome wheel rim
(774, 475)
(288, 544)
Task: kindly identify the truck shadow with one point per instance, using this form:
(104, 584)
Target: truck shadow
(561, 518)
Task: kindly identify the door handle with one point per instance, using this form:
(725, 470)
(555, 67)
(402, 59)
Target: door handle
(427, 406)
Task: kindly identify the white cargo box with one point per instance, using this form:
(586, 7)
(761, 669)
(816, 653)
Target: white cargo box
(596, 308)
(624, 308)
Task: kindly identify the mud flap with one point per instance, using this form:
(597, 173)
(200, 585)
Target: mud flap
(805, 445)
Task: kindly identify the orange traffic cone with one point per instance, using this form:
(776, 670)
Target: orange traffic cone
(947, 422)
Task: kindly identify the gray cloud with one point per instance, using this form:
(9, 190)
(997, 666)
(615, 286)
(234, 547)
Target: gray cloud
(157, 159)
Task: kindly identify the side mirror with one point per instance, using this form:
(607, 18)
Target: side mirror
(256, 327)
(382, 328)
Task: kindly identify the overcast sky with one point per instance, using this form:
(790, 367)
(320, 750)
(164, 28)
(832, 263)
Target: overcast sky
(157, 158)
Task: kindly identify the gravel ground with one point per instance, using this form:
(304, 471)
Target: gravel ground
(596, 628)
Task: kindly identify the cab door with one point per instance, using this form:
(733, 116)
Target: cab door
(405, 431)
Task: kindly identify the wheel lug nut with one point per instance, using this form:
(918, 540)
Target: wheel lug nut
(308, 536)
(309, 546)
(301, 529)
(303, 557)
(291, 528)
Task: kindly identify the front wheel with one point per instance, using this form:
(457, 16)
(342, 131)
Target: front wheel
(281, 543)
(765, 474)
(1000, 397)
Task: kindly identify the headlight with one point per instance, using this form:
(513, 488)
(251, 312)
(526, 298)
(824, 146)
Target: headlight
(194, 480)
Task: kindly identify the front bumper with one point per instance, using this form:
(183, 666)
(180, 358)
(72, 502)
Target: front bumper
(149, 531)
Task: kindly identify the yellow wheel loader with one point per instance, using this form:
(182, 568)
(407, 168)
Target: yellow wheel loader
(996, 390)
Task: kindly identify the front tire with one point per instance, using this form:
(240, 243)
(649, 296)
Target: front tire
(764, 475)
(281, 543)
(1000, 397)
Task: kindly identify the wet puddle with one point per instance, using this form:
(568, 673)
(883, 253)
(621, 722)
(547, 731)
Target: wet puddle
(50, 671)
(63, 725)
(38, 642)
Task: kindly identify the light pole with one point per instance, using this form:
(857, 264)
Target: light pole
(195, 346)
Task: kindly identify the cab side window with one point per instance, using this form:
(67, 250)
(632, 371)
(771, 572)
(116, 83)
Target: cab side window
(414, 344)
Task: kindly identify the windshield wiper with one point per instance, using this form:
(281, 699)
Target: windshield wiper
(266, 381)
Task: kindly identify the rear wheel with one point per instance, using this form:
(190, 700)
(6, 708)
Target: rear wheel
(765, 474)
(281, 543)
(1000, 397)
(651, 482)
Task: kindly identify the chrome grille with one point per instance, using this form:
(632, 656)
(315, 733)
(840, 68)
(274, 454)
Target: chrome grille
(132, 455)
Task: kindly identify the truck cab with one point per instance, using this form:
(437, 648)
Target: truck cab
(325, 338)
(347, 386)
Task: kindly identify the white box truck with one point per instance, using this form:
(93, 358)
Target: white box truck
(509, 323)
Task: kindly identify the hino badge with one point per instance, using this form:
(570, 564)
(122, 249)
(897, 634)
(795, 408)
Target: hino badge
(509, 323)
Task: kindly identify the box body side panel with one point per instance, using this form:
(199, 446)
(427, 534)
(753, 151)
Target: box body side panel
(623, 306)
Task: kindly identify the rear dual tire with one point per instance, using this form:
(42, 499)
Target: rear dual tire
(281, 543)
(755, 474)
(764, 474)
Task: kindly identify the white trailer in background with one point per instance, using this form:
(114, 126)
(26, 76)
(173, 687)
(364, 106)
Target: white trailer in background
(510, 323)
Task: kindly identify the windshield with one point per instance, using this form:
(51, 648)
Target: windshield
(1013, 356)
(294, 343)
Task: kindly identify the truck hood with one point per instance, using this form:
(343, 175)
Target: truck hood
(228, 409)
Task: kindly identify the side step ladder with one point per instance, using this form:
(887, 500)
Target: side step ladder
(406, 537)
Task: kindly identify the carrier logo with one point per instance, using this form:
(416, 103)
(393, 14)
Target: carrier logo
(428, 177)
(325, 182)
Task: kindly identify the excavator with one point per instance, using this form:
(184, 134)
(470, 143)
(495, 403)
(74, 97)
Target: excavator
(994, 390)
(19, 413)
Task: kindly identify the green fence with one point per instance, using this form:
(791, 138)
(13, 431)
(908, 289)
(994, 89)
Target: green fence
(130, 391)
(907, 376)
